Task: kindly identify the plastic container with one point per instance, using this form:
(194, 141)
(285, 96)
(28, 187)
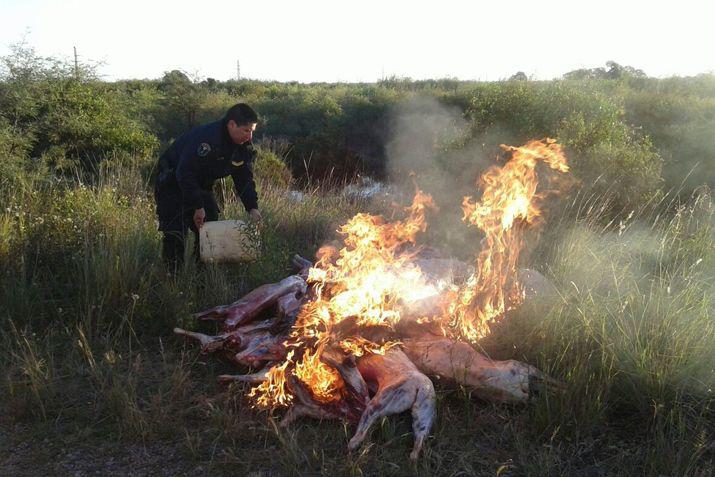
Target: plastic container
(228, 241)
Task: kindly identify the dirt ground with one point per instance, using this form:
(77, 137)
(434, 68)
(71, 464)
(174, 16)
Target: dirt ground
(24, 452)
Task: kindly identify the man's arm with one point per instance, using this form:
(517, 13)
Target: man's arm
(244, 184)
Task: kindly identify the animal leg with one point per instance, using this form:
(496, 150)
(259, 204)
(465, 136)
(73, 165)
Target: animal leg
(422, 415)
(208, 343)
(254, 378)
(393, 399)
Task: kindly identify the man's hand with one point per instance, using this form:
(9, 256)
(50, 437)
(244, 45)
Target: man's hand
(255, 215)
(199, 216)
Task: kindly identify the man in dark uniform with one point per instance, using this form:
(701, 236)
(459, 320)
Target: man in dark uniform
(187, 171)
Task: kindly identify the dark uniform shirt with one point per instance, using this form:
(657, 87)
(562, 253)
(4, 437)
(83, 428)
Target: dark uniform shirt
(206, 153)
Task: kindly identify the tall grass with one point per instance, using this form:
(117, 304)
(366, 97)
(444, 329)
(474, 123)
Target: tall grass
(88, 308)
(81, 269)
(631, 331)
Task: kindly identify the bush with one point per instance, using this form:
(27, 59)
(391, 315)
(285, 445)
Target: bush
(602, 149)
(68, 118)
(622, 130)
(88, 127)
(679, 115)
(14, 151)
(180, 103)
(270, 169)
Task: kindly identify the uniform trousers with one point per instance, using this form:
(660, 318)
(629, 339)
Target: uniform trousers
(175, 219)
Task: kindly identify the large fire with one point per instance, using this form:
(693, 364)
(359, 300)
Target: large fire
(366, 288)
(509, 198)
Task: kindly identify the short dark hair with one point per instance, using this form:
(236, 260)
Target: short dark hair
(242, 114)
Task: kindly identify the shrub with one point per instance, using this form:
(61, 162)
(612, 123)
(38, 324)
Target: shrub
(270, 169)
(63, 115)
(602, 148)
(88, 127)
(14, 151)
(679, 116)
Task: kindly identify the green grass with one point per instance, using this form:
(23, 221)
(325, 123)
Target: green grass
(89, 356)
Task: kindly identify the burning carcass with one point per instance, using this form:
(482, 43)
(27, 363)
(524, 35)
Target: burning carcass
(358, 334)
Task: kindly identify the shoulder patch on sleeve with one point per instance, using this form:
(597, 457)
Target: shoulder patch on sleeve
(203, 149)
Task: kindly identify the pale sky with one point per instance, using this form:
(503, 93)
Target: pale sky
(351, 41)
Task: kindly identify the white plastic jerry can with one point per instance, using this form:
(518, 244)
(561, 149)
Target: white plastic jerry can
(228, 241)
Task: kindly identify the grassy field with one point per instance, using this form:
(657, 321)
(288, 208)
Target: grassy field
(93, 381)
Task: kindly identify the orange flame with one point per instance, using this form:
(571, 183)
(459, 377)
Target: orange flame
(367, 281)
(372, 280)
(358, 346)
(272, 392)
(509, 195)
(321, 379)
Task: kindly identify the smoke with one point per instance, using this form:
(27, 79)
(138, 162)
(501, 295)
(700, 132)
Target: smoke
(420, 130)
(426, 145)
(433, 146)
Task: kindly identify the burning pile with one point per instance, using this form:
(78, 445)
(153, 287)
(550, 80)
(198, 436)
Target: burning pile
(355, 335)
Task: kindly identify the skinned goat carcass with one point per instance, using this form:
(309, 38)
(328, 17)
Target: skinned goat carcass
(245, 349)
(302, 265)
(346, 365)
(304, 405)
(353, 395)
(261, 347)
(397, 380)
(503, 381)
(400, 386)
(209, 343)
(288, 306)
(234, 339)
(255, 302)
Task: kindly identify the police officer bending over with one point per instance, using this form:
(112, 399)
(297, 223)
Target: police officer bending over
(187, 171)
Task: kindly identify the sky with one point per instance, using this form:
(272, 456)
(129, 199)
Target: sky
(366, 40)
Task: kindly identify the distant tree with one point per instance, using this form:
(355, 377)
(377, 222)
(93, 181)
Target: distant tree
(448, 84)
(616, 71)
(210, 84)
(396, 82)
(519, 76)
(182, 100)
(613, 71)
(586, 73)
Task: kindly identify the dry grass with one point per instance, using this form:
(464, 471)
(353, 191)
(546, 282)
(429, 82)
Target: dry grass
(89, 356)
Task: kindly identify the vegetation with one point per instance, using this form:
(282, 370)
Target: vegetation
(87, 308)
